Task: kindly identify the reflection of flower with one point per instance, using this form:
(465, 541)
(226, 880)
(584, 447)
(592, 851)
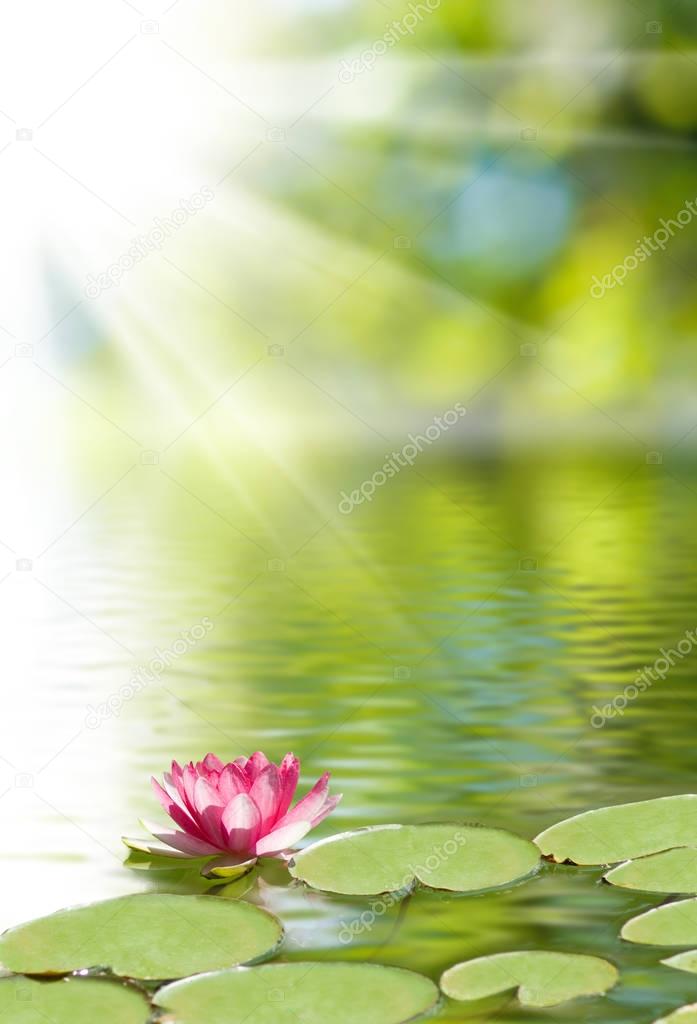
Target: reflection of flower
(241, 809)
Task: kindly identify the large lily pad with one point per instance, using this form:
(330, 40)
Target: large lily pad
(150, 936)
(541, 978)
(392, 858)
(669, 871)
(70, 1001)
(624, 832)
(683, 1015)
(674, 924)
(313, 993)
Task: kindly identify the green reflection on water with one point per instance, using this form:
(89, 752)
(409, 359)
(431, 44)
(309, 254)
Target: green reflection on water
(440, 651)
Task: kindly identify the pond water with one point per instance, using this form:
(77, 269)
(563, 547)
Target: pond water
(441, 650)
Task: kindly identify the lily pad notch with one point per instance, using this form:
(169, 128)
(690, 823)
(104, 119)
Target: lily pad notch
(541, 979)
(612, 834)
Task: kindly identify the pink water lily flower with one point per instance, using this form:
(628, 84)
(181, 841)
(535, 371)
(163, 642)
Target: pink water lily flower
(240, 810)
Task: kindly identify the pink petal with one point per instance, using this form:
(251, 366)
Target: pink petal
(178, 780)
(179, 841)
(288, 777)
(240, 822)
(265, 793)
(310, 806)
(231, 782)
(213, 763)
(242, 763)
(189, 777)
(175, 811)
(281, 838)
(256, 765)
(329, 806)
(209, 807)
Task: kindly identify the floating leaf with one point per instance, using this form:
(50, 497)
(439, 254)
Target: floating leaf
(542, 979)
(70, 1001)
(683, 1015)
(313, 993)
(391, 858)
(674, 924)
(149, 936)
(624, 832)
(683, 961)
(669, 871)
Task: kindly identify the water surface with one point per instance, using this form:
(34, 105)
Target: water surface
(440, 650)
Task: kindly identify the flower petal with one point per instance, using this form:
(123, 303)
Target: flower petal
(288, 777)
(181, 787)
(265, 792)
(329, 806)
(281, 838)
(145, 846)
(189, 845)
(176, 811)
(231, 782)
(240, 822)
(256, 765)
(189, 777)
(209, 807)
(310, 806)
(213, 763)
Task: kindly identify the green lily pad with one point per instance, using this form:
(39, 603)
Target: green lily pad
(669, 871)
(313, 993)
(392, 858)
(542, 979)
(70, 1001)
(683, 961)
(674, 924)
(150, 936)
(683, 1015)
(624, 832)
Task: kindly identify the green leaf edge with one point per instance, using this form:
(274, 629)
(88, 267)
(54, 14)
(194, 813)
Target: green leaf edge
(674, 1016)
(182, 982)
(105, 970)
(647, 913)
(581, 814)
(416, 883)
(607, 877)
(518, 989)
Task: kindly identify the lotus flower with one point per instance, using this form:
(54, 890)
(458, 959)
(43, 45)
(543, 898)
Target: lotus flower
(239, 810)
